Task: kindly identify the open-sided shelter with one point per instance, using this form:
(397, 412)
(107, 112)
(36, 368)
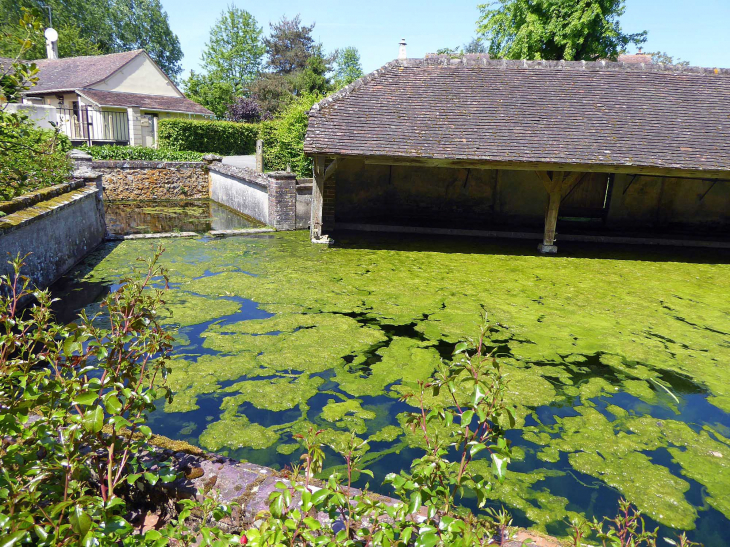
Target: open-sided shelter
(517, 147)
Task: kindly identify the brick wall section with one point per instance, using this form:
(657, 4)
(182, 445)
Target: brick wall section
(131, 180)
(282, 200)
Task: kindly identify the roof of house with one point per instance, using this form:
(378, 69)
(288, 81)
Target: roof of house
(147, 102)
(71, 73)
(474, 108)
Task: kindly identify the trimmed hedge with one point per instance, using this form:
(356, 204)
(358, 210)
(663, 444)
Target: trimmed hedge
(131, 153)
(224, 138)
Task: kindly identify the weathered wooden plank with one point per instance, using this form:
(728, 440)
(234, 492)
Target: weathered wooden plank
(545, 166)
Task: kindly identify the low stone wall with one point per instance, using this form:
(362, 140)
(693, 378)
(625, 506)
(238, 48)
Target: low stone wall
(273, 198)
(58, 231)
(132, 180)
(241, 189)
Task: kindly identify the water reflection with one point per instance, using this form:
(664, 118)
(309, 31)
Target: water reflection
(149, 217)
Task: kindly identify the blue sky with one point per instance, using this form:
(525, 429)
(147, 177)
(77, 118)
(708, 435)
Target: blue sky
(696, 31)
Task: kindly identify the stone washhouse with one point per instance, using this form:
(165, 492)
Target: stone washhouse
(597, 151)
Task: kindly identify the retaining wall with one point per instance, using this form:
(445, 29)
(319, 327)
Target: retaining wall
(58, 231)
(131, 180)
(241, 189)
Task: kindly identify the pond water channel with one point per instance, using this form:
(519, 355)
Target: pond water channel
(146, 217)
(617, 359)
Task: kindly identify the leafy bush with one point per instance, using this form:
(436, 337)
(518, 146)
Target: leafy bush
(75, 399)
(217, 137)
(32, 158)
(247, 110)
(111, 152)
(284, 138)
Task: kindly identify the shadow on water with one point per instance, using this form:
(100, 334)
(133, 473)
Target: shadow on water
(525, 247)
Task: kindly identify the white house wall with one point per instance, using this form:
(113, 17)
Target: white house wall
(140, 75)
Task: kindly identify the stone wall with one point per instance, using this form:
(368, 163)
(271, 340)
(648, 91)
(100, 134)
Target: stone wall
(241, 189)
(58, 232)
(272, 198)
(131, 180)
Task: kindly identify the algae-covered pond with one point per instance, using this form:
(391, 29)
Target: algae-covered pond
(617, 360)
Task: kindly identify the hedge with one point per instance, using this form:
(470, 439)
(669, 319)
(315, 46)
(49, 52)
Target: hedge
(224, 138)
(130, 153)
(284, 138)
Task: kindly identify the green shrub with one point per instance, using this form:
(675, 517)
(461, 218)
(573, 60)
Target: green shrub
(32, 158)
(284, 138)
(75, 400)
(224, 138)
(129, 153)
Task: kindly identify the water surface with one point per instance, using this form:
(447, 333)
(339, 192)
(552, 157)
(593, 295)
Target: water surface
(617, 359)
(146, 217)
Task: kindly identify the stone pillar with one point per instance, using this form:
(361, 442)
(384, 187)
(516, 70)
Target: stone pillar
(82, 161)
(282, 200)
(259, 156)
(154, 131)
(134, 117)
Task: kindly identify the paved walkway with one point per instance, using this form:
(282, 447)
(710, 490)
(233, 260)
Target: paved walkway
(241, 161)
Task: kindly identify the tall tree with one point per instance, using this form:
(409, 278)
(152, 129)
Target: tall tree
(290, 45)
(143, 24)
(234, 51)
(98, 27)
(555, 29)
(347, 66)
(213, 94)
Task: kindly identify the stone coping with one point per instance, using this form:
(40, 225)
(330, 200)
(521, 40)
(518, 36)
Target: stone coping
(214, 233)
(249, 486)
(145, 164)
(36, 196)
(243, 173)
(31, 214)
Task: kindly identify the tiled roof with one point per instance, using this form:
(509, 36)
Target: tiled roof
(473, 108)
(71, 73)
(150, 102)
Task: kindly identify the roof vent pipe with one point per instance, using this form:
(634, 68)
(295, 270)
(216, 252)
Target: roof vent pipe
(402, 49)
(51, 43)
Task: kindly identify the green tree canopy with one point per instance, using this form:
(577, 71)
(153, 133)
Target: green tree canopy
(98, 27)
(290, 45)
(213, 94)
(555, 29)
(234, 50)
(347, 66)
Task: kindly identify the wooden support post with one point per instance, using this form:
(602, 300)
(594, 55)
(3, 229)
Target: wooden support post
(556, 185)
(315, 225)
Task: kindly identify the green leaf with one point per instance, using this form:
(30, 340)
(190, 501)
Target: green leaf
(11, 539)
(460, 348)
(86, 398)
(429, 539)
(80, 521)
(113, 406)
(415, 503)
(94, 420)
(499, 465)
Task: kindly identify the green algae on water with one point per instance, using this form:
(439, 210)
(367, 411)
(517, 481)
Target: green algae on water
(576, 335)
